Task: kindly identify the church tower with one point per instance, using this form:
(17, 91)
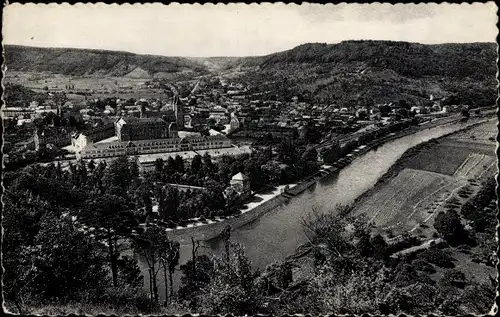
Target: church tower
(36, 139)
(179, 113)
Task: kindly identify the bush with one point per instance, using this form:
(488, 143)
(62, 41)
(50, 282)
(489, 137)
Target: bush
(437, 257)
(423, 266)
(453, 278)
(448, 224)
(128, 300)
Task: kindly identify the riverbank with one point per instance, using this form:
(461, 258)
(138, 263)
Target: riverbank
(252, 211)
(211, 228)
(397, 167)
(358, 174)
(327, 170)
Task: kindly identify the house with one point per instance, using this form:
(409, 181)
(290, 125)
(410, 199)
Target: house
(415, 109)
(219, 114)
(22, 122)
(14, 112)
(436, 107)
(240, 184)
(234, 123)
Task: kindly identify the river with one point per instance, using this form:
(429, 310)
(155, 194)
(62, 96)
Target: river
(279, 232)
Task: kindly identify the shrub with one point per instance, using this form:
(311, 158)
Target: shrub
(448, 224)
(437, 257)
(423, 266)
(453, 278)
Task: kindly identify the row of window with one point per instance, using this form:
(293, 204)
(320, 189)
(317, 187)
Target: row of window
(152, 149)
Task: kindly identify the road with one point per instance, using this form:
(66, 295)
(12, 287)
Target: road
(430, 124)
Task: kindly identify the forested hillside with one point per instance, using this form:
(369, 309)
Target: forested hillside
(407, 59)
(77, 62)
(354, 72)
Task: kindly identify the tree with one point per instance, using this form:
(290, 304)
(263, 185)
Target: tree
(287, 151)
(272, 170)
(159, 164)
(332, 153)
(120, 173)
(151, 246)
(130, 273)
(170, 167)
(213, 197)
(143, 195)
(196, 274)
(66, 262)
(112, 214)
(255, 173)
(231, 290)
(169, 260)
(310, 155)
(196, 165)
(22, 212)
(449, 226)
(91, 166)
(169, 204)
(179, 164)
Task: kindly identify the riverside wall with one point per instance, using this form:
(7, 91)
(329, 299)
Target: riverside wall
(211, 231)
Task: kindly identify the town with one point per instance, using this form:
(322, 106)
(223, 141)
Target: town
(280, 176)
(221, 118)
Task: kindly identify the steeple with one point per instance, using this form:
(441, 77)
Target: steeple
(179, 113)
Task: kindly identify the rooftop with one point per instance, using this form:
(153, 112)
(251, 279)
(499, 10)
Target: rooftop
(239, 177)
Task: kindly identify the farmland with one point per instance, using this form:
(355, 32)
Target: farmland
(125, 87)
(476, 166)
(408, 200)
(439, 175)
(483, 134)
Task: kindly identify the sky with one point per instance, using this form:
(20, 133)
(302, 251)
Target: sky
(240, 29)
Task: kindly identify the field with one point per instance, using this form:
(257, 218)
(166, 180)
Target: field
(439, 158)
(482, 134)
(408, 200)
(476, 166)
(124, 87)
(437, 176)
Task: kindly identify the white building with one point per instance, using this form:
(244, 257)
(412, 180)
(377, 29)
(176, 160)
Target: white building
(239, 183)
(234, 123)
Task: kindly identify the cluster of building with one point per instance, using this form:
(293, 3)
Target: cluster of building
(150, 139)
(25, 116)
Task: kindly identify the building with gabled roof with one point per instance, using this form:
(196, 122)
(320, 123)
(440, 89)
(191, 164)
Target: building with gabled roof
(132, 129)
(151, 146)
(241, 184)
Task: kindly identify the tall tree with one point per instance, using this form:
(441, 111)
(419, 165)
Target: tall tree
(151, 246)
(196, 165)
(112, 217)
(179, 164)
(170, 259)
(232, 287)
(66, 261)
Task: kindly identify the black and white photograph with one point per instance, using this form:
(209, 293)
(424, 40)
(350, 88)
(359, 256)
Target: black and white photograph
(244, 159)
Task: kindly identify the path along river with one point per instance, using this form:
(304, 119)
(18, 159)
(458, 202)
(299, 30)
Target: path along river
(279, 232)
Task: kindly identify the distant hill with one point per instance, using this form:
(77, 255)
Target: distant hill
(222, 63)
(355, 71)
(475, 60)
(77, 62)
